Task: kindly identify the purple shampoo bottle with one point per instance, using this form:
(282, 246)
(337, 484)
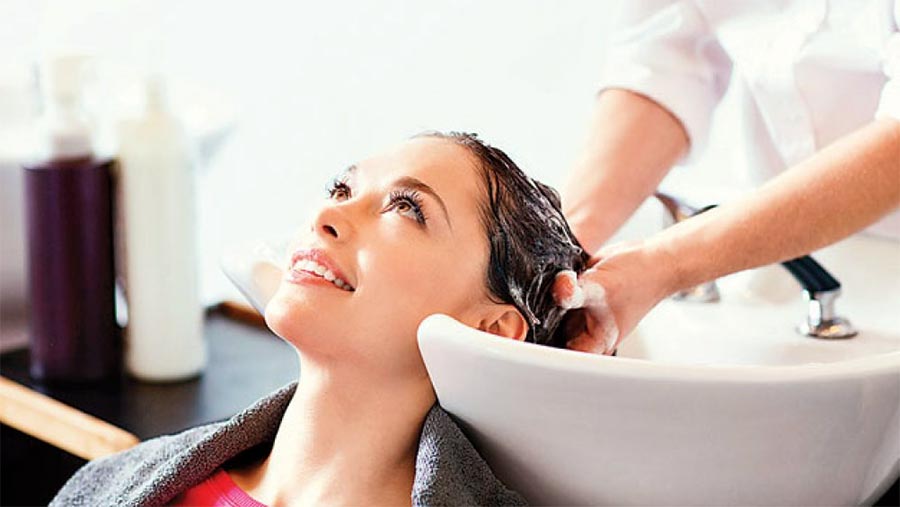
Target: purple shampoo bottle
(74, 336)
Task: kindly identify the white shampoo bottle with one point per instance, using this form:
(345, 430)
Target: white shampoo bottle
(157, 253)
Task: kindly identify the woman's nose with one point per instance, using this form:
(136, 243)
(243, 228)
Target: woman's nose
(331, 224)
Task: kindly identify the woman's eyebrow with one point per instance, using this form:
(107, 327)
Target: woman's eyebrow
(412, 183)
(417, 184)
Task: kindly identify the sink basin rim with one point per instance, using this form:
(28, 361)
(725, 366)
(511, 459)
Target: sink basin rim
(541, 356)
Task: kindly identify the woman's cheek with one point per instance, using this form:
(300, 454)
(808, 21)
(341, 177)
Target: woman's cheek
(407, 288)
(404, 286)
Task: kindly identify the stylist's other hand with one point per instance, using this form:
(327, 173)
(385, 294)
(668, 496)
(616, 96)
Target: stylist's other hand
(623, 282)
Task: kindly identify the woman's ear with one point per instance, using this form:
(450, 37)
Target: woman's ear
(505, 321)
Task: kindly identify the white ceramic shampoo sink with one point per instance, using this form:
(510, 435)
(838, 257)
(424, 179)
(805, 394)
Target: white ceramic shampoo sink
(706, 404)
(755, 321)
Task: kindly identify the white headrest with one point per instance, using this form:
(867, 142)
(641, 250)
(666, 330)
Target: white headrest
(534, 412)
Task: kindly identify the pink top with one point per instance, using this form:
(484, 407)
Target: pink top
(217, 490)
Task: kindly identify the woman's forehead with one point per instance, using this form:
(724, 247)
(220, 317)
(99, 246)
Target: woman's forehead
(422, 156)
(450, 169)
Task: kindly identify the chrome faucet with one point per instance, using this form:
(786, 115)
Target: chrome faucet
(821, 322)
(820, 289)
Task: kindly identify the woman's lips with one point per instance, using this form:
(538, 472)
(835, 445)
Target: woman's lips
(306, 278)
(314, 263)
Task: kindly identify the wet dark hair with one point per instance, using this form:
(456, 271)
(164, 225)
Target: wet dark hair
(530, 240)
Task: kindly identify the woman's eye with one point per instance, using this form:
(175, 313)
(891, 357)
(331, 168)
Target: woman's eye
(339, 191)
(408, 204)
(407, 209)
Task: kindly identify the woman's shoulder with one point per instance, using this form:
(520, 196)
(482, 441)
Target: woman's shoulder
(132, 475)
(156, 470)
(450, 471)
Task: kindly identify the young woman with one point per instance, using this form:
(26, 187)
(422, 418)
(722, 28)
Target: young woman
(442, 223)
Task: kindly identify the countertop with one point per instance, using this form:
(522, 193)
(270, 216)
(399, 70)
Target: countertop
(245, 363)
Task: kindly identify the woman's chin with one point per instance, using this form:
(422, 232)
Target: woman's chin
(298, 319)
(286, 315)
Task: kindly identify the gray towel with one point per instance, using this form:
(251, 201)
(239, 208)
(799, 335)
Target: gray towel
(449, 471)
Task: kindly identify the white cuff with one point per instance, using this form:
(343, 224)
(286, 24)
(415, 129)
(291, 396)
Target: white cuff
(889, 105)
(666, 51)
(687, 98)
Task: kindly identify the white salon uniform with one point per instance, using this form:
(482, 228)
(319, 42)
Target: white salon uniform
(806, 72)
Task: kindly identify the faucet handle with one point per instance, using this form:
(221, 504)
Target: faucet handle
(821, 320)
(820, 290)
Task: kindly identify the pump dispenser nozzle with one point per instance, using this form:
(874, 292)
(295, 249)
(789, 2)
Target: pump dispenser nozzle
(155, 93)
(67, 129)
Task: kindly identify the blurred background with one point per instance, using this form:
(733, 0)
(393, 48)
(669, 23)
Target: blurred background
(279, 96)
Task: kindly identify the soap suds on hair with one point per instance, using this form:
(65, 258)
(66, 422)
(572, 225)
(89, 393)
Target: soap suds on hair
(528, 237)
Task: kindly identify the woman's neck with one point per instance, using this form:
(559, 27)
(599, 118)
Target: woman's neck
(343, 440)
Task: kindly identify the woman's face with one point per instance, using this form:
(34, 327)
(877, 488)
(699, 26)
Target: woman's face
(404, 230)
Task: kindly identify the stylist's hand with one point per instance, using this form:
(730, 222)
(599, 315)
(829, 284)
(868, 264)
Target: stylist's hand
(623, 283)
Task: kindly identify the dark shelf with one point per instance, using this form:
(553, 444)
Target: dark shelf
(245, 363)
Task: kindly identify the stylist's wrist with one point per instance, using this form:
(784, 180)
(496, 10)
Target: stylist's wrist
(647, 273)
(666, 273)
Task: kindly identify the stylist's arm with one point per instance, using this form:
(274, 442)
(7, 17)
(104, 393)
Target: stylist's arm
(840, 190)
(632, 144)
(633, 140)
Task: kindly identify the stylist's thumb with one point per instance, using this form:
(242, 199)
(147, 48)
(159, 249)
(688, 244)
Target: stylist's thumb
(590, 325)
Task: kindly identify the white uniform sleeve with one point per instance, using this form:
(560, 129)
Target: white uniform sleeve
(889, 106)
(665, 50)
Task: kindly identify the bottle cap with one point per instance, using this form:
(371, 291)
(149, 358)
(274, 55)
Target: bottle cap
(67, 132)
(156, 96)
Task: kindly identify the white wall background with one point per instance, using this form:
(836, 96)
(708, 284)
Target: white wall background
(314, 86)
